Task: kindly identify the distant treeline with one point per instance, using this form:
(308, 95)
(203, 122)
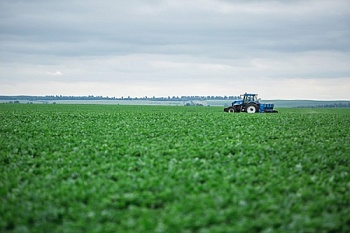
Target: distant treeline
(91, 97)
(187, 100)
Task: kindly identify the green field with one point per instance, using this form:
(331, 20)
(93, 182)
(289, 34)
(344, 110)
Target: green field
(106, 168)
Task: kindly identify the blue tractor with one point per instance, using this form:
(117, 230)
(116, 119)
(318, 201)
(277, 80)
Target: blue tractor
(251, 104)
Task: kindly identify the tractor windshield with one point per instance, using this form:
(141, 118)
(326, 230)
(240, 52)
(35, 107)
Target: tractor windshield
(251, 98)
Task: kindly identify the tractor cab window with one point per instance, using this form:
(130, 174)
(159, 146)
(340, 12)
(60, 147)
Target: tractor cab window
(251, 98)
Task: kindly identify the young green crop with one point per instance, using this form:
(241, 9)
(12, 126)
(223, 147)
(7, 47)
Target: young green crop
(103, 168)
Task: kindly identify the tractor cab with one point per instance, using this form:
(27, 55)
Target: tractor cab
(250, 98)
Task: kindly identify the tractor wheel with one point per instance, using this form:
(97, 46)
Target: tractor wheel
(231, 110)
(251, 109)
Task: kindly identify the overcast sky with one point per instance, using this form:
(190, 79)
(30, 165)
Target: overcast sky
(279, 49)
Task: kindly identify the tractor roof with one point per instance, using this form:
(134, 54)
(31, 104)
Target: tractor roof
(249, 94)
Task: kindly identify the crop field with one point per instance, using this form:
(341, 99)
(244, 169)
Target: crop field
(110, 168)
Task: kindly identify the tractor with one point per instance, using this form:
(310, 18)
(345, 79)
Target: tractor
(251, 104)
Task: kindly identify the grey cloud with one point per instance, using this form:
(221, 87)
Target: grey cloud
(145, 25)
(101, 40)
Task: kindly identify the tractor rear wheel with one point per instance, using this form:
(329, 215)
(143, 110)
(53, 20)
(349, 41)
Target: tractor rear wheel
(251, 109)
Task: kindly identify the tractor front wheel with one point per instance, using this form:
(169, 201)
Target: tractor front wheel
(251, 109)
(231, 110)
